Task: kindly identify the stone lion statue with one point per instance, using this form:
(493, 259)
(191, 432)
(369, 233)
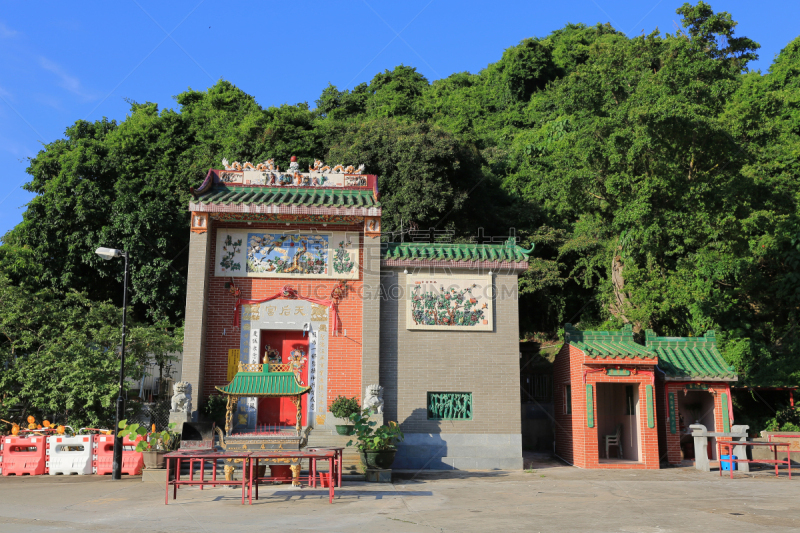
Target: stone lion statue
(374, 399)
(182, 397)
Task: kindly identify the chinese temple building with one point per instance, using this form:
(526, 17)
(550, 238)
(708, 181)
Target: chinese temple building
(693, 389)
(619, 404)
(604, 388)
(292, 298)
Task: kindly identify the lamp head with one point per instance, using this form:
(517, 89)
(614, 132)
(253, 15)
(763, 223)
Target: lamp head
(109, 253)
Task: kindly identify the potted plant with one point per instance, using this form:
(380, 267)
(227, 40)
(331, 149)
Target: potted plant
(377, 446)
(344, 408)
(153, 444)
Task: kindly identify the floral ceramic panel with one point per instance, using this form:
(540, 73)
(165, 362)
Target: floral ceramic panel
(449, 302)
(243, 253)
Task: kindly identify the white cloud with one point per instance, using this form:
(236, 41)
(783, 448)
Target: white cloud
(6, 32)
(68, 82)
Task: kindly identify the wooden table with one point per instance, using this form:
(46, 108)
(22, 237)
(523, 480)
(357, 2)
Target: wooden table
(312, 456)
(337, 463)
(729, 444)
(203, 455)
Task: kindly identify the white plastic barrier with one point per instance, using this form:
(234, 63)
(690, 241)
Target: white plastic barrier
(70, 455)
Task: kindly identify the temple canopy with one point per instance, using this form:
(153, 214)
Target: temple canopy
(607, 344)
(690, 358)
(263, 384)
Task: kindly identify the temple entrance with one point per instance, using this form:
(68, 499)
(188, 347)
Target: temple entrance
(696, 407)
(618, 422)
(277, 346)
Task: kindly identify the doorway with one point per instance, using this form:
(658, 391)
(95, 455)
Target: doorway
(697, 407)
(618, 408)
(277, 346)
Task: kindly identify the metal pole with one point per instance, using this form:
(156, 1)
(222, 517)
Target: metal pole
(116, 467)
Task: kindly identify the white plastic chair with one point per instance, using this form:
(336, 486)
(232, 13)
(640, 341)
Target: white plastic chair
(615, 440)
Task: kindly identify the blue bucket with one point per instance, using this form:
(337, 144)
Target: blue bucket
(726, 465)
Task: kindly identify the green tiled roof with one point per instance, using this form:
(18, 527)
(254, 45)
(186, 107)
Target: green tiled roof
(607, 344)
(695, 358)
(263, 384)
(454, 252)
(299, 196)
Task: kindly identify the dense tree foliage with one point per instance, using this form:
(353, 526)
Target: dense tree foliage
(657, 176)
(61, 355)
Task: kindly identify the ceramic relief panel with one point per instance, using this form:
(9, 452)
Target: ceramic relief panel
(449, 302)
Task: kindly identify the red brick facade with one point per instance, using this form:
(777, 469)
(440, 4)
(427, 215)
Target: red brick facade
(576, 442)
(670, 442)
(344, 352)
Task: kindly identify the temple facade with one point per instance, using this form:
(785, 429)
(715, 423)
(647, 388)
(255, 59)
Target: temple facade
(287, 268)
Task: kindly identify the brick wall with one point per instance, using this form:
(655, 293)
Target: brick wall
(569, 438)
(485, 363)
(344, 353)
(371, 311)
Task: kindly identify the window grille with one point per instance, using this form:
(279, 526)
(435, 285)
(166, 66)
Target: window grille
(449, 406)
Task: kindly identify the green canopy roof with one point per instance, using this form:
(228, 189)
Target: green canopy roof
(263, 384)
(607, 344)
(508, 252)
(298, 196)
(690, 358)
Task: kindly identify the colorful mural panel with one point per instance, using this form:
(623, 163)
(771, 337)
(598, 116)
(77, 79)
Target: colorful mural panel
(242, 253)
(449, 302)
(281, 253)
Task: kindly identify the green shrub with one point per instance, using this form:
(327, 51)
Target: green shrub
(214, 409)
(344, 407)
(785, 420)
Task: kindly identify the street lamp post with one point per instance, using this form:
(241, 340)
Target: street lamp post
(116, 467)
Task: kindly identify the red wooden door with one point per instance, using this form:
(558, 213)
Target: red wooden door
(281, 411)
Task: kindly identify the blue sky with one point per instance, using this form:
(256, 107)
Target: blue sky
(66, 61)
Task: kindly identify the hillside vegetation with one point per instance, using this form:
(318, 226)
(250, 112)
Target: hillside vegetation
(656, 175)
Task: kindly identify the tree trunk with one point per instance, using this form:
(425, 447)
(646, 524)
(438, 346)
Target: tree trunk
(621, 301)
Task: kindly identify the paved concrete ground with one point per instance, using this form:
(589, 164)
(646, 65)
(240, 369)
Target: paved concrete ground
(548, 497)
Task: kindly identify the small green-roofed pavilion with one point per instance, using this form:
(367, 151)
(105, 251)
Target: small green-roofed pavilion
(690, 358)
(263, 384)
(607, 344)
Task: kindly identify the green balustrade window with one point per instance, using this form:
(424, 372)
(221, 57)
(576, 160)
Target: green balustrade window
(449, 406)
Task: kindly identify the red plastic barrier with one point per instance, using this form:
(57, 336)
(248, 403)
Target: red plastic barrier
(103, 459)
(1, 453)
(24, 455)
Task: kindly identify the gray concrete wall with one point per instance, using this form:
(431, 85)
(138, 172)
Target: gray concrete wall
(196, 313)
(485, 363)
(459, 451)
(371, 309)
